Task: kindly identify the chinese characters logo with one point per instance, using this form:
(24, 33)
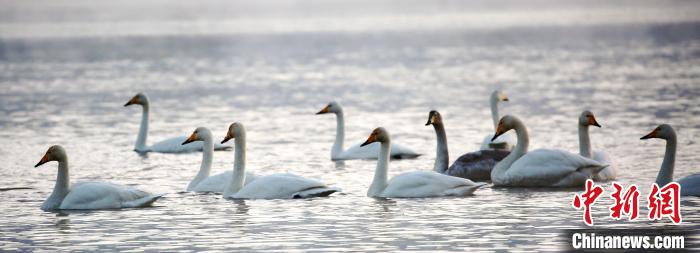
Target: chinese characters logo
(663, 202)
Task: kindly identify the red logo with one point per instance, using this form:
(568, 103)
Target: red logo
(627, 203)
(663, 202)
(589, 197)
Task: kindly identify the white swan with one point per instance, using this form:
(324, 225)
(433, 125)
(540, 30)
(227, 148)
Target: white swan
(542, 167)
(89, 194)
(690, 185)
(474, 166)
(588, 119)
(202, 182)
(414, 184)
(275, 186)
(506, 141)
(171, 145)
(356, 151)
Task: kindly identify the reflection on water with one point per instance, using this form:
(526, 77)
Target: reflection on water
(70, 92)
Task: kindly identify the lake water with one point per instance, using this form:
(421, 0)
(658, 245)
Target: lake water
(66, 69)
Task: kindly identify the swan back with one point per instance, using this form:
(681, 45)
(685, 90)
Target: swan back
(277, 186)
(420, 184)
(550, 167)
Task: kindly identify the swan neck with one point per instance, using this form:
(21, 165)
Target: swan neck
(238, 177)
(494, 111)
(584, 141)
(442, 157)
(339, 133)
(205, 167)
(143, 129)
(61, 189)
(519, 150)
(523, 139)
(380, 173)
(666, 173)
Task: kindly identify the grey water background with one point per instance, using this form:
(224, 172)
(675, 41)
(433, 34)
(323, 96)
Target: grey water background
(67, 67)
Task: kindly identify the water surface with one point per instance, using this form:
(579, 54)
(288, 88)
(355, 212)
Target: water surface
(67, 68)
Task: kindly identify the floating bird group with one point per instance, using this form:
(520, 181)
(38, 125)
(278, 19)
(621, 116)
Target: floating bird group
(503, 159)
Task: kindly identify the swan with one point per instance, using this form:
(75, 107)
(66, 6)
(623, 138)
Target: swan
(474, 166)
(89, 194)
(690, 185)
(275, 186)
(356, 151)
(202, 182)
(171, 145)
(584, 141)
(541, 167)
(506, 141)
(413, 184)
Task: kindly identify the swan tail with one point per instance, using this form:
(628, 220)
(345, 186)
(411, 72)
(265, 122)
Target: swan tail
(405, 156)
(596, 169)
(222, 148)
(465, 190)
(316, 192)
(143, 202)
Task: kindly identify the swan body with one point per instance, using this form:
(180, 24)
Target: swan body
(203, 182)
(414, 184)
(217, 183)
(608, 173)
(423, 184)
(542, 167)
(690, 185)
(506, 141)
(283, 186)
(101, 195)
(585, 120)
(477, 165)
(89, 195)
(474, 166)
(550, 168)
(275, 186)
(171, 145)
(357, 151)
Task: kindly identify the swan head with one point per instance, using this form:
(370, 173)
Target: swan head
(434, 118)
(378, 135)
(54, 153)
(498, 96)
(235, 130)
(138, 99)
(663, 131)
(587, 119)
(332, 107)
(199, 134)
(506, 123)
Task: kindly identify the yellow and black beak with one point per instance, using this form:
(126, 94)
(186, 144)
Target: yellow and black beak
(43, 160)
(592, 121)
(193, 137)
(650, 135)
(131, 101)
(499, 132)
(369, 140)
(323, 111)
(431, 119)
(227, 138)
(504, 98)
